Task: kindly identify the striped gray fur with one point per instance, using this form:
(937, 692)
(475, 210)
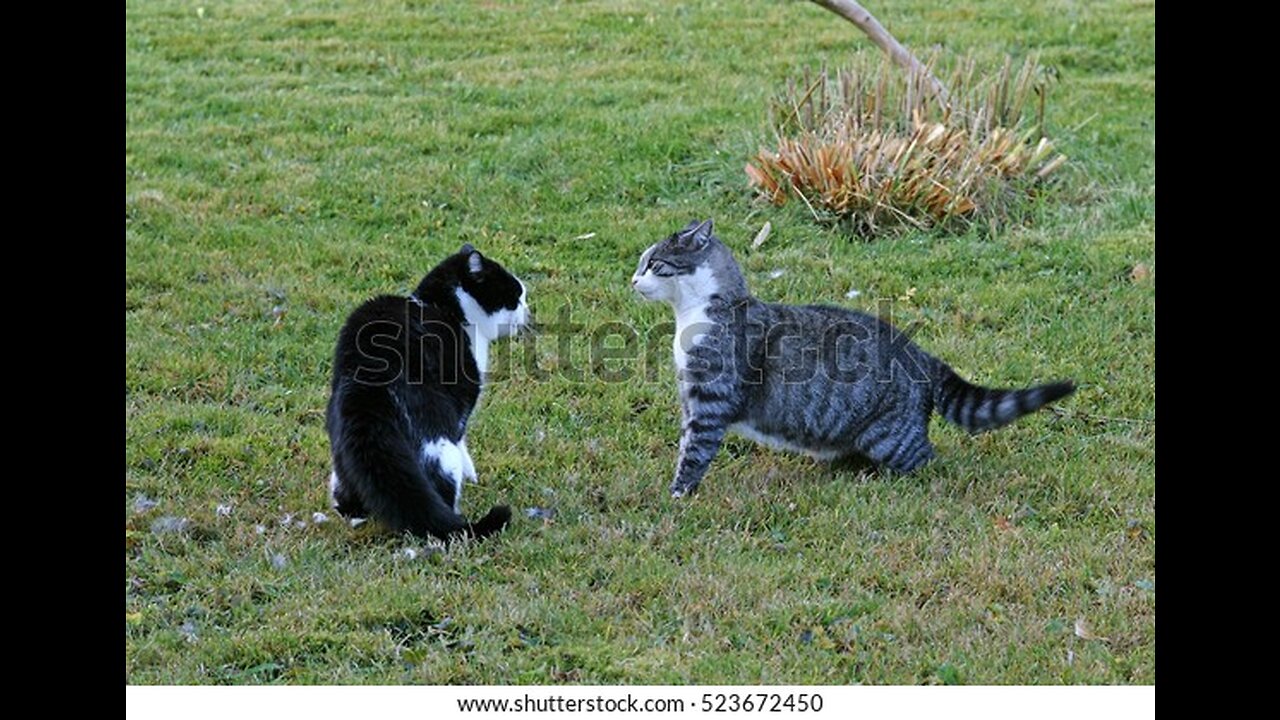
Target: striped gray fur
(827, 381)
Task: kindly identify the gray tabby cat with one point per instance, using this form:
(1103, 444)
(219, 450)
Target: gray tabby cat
(822, 380)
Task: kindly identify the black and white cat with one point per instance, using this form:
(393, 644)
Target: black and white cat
(827, 381)
(407, 373)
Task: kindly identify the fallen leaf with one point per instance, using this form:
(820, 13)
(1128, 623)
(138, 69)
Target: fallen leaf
(142, 504)
(170, 524)
(566, 676)
(1002, 523)
(1085, 633)
(762, 235)
(1022, 513)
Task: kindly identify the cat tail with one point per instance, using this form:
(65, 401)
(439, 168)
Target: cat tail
(378, 464)
(976, 408)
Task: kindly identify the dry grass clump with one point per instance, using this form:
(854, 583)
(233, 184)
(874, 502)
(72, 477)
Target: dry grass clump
(877, 149)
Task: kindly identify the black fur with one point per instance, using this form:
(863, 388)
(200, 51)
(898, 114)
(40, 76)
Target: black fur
(404, 376)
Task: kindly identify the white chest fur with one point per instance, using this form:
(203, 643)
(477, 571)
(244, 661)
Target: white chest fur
(693, 292)
(691, 326)
(483, 327)
(479, 349)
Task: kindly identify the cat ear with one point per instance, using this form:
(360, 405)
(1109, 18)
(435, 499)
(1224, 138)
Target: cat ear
(702, 233)
(473, 258)
(694, 236)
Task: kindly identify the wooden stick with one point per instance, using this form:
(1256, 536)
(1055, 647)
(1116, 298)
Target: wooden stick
(867, 23)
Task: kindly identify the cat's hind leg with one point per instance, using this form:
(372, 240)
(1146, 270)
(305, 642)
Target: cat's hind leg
(344, 500)
(900, 444)
(451, 462)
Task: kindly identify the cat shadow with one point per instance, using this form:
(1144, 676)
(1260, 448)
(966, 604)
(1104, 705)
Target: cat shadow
(856, 465)
(853, 465)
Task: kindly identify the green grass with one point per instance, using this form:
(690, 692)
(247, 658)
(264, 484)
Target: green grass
(285, 162)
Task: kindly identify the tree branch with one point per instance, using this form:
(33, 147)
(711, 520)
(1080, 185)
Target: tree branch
(867, 23)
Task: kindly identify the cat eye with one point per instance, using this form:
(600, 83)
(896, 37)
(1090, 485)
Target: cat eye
(661, 268)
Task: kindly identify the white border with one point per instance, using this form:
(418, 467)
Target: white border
(839, 703)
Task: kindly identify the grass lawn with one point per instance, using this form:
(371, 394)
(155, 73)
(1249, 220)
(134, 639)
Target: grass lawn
(284, 162)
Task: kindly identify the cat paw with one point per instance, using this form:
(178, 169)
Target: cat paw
(679, 491)
(351, 508)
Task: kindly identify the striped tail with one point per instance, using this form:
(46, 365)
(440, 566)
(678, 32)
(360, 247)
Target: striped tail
(977, 408)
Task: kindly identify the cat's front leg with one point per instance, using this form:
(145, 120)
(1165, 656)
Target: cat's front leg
(700, 437)
(468, 467)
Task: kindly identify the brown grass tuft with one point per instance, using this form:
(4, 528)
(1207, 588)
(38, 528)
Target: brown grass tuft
(875, 148)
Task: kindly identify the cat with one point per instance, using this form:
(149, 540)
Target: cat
(407, 373)
(826, 381)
